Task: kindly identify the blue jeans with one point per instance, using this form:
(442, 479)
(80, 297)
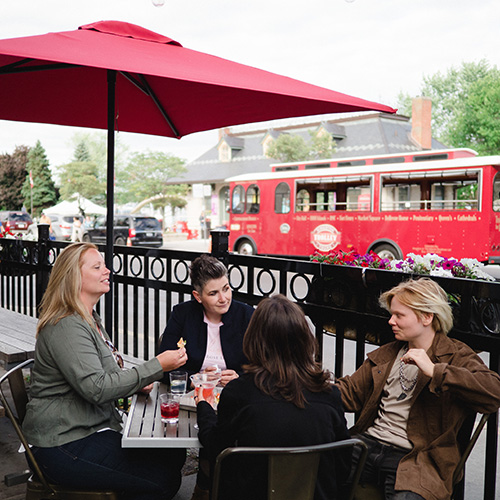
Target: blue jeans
(380, 468)
(99, 462)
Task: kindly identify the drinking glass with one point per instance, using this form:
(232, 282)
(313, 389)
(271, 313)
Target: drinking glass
(178, 382)
(169, 406)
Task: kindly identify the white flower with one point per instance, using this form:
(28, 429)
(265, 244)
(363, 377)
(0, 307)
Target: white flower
(439, 271)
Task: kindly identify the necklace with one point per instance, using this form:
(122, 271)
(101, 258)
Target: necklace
(406, 383)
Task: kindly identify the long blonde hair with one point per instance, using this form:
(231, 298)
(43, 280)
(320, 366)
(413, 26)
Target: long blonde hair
(62, 297)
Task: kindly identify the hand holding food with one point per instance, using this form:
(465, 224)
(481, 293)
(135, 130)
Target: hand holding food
(171, 360)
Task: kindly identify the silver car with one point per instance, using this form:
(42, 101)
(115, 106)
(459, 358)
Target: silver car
(62, 226)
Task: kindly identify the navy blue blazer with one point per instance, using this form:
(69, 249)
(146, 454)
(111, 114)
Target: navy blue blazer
(187, 321)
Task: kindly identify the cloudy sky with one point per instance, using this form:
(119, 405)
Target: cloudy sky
(367, 48)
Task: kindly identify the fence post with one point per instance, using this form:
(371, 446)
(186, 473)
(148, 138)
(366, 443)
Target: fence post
(220, 245)
(43, 271)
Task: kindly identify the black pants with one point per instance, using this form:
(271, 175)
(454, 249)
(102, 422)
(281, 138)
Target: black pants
(99, 462)
(380, 468)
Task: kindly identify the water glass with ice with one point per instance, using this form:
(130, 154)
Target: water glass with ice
(178, 382)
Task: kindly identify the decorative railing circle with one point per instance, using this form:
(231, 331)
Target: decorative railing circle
(259, 280)
(117, 263)
(51, 256)
(176, 271)
(136, 263)
(242, 277)
(292, 286)
(157, 262)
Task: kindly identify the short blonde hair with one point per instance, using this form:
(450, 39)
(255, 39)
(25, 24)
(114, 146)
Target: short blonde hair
(62, 297)
(422, 296)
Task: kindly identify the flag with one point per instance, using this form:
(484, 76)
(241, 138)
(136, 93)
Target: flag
(31, 180)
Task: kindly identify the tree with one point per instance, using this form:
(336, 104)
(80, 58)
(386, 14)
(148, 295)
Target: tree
(289, 148)
(465, 104)
(92, 147)
(477, 125)
(147, 177)
(12, 176)
(82, 152)
(82, 176)
(44, 191)
(321, 146)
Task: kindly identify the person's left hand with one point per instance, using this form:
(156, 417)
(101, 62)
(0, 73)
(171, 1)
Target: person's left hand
(420, 358)
(147, 389)
(198, 396)
(226, 376)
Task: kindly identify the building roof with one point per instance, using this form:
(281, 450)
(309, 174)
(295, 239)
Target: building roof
(354, 135)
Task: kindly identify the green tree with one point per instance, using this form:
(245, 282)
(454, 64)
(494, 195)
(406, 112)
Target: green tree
(289, 148)
(12, 176)
(322, 146)
(82, 153)
(44, 191)
(81, 177)
(146, 180)
(465, 106)
(95, 145)
(477, 124)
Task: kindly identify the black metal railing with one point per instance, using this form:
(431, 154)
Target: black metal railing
(341, 302)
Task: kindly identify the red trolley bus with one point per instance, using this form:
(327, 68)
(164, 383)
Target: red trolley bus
(445, 202)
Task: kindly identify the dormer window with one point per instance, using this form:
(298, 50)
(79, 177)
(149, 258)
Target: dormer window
(229, 146)
(224, 152)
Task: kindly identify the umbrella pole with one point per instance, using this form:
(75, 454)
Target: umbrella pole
(108, 256)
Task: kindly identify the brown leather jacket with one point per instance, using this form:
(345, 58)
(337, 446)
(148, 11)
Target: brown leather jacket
(461, 384)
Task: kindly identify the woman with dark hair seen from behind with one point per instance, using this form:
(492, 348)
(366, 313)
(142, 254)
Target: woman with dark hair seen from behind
(71, 419)
(284, 398)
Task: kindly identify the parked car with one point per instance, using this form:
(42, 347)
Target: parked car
(15, 221)
(131, 230)
(62, 226)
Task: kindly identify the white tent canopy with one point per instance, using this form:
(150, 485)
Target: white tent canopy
(77, 206)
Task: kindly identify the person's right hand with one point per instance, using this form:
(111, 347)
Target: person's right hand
(171, 360)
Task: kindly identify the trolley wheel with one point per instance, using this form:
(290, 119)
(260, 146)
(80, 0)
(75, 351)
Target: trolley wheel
(246, 247)
(387, 251)
(86, 238)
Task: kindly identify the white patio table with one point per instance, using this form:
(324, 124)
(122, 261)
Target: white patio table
(144, 428)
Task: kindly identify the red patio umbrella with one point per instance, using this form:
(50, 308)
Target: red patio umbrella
(61, 78)
(123, 77)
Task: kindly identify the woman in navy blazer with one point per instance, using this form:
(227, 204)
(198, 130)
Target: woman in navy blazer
(212, 324)
(187, 322)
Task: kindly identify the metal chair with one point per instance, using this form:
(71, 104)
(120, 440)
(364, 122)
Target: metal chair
(467, 438)
(291, 471)
(37, 487)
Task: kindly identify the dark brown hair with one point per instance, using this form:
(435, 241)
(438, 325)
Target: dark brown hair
(205, 268)
(281, 351)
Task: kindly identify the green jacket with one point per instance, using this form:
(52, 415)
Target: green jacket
(461, 384)
(75, 383)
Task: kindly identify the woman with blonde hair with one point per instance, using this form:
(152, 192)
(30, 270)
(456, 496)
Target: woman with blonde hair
(71, 420)
(283, 398)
